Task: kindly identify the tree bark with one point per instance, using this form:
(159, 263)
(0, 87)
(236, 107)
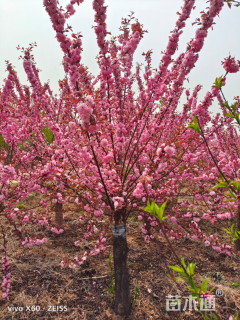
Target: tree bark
(122, 294)
(59, 214)
(120, 252)
(237, 242)
(58, 210)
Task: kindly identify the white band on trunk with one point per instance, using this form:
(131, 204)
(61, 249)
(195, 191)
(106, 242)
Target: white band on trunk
(119, 231)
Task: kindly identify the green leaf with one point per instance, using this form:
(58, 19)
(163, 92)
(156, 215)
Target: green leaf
(192, 284)
(181, 278)
(204, 285)
(15, 184)
(48, 134)
(221, 185)
(234, 106)
(194, 127)
(178, 269)
(226, 230)
(163, 206)
(237, 186)
(190, 268)
(20, 145)
(3, 144)
(20, 205)
(230, 194)
(34, 137)
(160, 211)
(229, 115)
(218, 83)
(183, 263)
(225, 104)
(226, 200)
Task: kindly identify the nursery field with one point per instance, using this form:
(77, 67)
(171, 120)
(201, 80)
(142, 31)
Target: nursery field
(45, 290)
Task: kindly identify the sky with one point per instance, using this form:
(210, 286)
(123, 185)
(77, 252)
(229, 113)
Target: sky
(25, 21)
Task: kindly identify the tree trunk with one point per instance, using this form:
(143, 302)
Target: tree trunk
(58, 210)
(122, 294)
(59, 214)
(120, 252)
(237, 242)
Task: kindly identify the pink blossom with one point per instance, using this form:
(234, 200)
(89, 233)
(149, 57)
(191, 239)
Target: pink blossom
(55, 230)
(173, 219)
(104, 143)
(230, 65)
(84, 112)
(198, 196)
(26, 219)
(212, 193)
(159, 152)
(170, 151)
(94, 252)
(147, 239)
(4, 295)
(217, 248)
(196, 219)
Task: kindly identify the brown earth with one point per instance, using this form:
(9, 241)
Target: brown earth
(38, 279)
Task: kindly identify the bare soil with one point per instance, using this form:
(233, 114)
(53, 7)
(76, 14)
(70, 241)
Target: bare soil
(39, 282)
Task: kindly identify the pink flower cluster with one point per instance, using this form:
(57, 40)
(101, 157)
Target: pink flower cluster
(104, 143)
(6, 277)
(198, 42)
(72, 49)
(8, 87)
(223, 249)
(6, 285)
(100, 29)
(28, 67)
(42, 222)
(108, 157)
(79, 261)
(84, 112)
(230, 65)
(173, 40)
(170, 151)
(215, 7)
(225, 215)
(55, 230)
(139, 190)
(28, 242)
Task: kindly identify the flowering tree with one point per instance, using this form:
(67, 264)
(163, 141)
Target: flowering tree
(108, 148)
(226, 160)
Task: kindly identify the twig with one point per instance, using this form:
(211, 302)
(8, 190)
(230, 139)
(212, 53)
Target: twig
(107, 275)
